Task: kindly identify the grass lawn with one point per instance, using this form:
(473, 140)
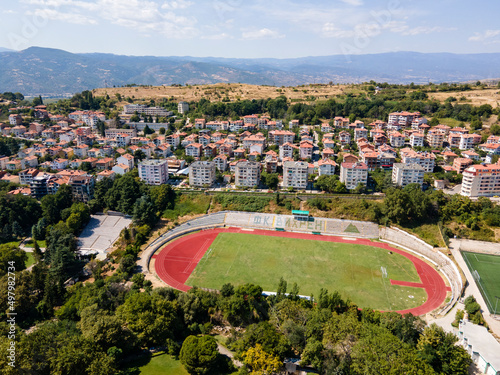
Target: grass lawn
(31, 259)
(488, 267)
(353, 270)
(159, 364)
(41, 243)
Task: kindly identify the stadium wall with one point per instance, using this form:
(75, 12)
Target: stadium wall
(325, 226)
(447, 267)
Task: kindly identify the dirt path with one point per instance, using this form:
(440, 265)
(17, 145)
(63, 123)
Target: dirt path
(225, 351)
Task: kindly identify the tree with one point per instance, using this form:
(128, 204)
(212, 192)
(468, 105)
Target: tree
(261, 362)
(162, 131)
(144, 212)
(199, 354)
(438, 349)
(147, 130)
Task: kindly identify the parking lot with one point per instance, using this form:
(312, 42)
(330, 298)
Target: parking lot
(100, 234)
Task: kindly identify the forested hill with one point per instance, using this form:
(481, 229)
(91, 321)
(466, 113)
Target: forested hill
(55, 72)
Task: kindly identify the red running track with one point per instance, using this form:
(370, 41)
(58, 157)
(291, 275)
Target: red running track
(176, 261)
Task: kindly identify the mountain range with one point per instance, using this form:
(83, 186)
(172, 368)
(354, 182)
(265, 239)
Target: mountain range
(46, 71)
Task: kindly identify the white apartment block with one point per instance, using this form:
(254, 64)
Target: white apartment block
(130, 109)
(281, 137)
(247, 174)
(295, 174)
(417, 139)
(352, 174)
(154, 172)
(397, 139)
(435, 138)
(481, 180)
(405, 174)
(326, 167)
(427, 160)
(182, 107)
(194, 150)
(286, 151)
(202, 173)
(468, 141)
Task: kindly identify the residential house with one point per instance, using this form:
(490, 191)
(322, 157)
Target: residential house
(247, 174)
(353, 174)
(154, 172)
(405, 174)
(295, 174)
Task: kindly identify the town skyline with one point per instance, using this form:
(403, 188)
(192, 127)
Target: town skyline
(231, 28)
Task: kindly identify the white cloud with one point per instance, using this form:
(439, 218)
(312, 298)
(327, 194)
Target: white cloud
(9, 11)
(353, 2)
(427, 30)
(179, 4)
(264, 33)
(217, 36)
(144, 16)
(52, 14)
(329, 30)
(487, 37)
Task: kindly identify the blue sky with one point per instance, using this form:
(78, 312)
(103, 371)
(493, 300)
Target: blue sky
(251, 28)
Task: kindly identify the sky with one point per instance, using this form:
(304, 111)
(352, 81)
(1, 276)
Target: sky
(251, 28)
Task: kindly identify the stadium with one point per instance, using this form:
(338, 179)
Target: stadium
(380, 268)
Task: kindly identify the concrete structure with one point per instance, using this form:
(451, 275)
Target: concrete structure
(295, 174)
(352, 174)
(482, 347)
(425, 159)
(154, 172)
(326, 167)
(247, 174)
(481, 180)
(435, 138)
(182, 107)
(130, 109)
(405, 174)
(202, 173)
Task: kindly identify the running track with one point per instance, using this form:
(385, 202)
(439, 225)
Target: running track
(176, 261)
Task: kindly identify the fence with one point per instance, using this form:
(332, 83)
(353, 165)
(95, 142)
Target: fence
(445, 265)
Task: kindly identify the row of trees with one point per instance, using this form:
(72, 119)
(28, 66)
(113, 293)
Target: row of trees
(99, 325)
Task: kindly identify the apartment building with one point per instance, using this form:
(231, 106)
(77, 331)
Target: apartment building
(295, 174)
(352, 174)
(417, 139)
(247, 174)
(403, 118)
(461, 164)
(481, 180)
(281, 137)
(182, 107)
(202, 173)
(435, 138)
(396, 139)
(286, 151)
(326, 167)
(306, 150)
(405, 174)
(154, 172)
(468, 141)
(427, 160)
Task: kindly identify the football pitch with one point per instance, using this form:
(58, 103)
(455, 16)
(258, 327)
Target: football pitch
(485, 269)
(359, 272)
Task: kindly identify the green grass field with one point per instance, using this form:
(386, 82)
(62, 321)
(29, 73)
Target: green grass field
(353, 270)
(159, 364)
(31, 260)
(488, 268)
